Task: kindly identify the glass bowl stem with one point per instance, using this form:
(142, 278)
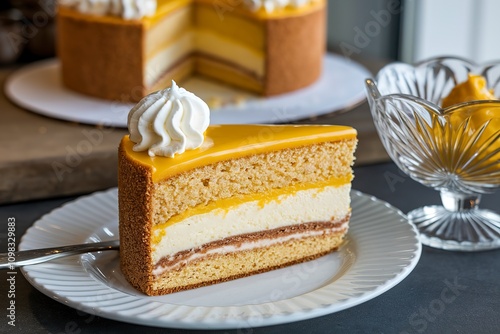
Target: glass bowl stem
(453, 201)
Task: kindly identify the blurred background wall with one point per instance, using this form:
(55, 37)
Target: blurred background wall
(365, 28)
(413, 30)
(465, 28)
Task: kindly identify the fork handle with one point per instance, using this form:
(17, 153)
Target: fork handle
(35, 256)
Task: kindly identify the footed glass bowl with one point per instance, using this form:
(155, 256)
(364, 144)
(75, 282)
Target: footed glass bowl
(455, 150)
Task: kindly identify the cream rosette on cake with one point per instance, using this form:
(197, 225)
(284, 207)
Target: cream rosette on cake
(168, 122)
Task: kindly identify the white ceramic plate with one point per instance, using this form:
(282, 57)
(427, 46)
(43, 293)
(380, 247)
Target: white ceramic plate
(38, 88)
(382, 248)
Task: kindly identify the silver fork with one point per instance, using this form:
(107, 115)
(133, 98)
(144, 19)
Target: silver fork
(35, 256)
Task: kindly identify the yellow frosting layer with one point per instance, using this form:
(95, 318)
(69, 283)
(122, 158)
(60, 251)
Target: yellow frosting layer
(228, 7)
(223, 206)
(223, 142)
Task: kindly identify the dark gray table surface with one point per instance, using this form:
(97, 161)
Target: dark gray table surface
(447, 292)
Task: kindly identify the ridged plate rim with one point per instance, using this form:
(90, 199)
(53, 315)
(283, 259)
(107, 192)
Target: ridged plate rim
(387, 250)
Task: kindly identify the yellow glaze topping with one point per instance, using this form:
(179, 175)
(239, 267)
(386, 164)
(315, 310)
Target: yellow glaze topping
(224, 142)
(223, 206)
(223, 7)
(226, 7)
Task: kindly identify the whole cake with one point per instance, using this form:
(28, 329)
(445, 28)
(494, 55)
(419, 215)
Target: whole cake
(202, 204)
(123, 50)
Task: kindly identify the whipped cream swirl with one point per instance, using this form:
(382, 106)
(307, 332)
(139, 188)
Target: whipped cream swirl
(271, 5)
(168, 122)
(127, 9)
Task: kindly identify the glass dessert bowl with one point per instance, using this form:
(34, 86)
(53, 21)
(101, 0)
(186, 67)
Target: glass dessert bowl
(440, 123)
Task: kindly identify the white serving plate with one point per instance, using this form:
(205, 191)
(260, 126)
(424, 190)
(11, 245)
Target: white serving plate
(381, 249)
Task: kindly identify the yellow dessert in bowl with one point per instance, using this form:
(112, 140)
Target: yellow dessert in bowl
(473, 89)
(440, 124)
(470, 108)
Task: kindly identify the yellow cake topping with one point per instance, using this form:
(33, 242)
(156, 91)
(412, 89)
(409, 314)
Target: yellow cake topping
(164, 7)
(227, 6)
(224, 142)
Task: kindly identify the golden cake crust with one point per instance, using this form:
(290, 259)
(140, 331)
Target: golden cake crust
(135, 187)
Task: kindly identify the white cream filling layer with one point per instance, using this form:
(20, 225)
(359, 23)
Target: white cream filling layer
(208, 43)
(312, 205)
(157, 65)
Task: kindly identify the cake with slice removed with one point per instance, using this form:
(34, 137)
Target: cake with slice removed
(123, 50)
(202, 204)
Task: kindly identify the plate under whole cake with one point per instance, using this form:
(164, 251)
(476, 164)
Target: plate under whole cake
(37, 87)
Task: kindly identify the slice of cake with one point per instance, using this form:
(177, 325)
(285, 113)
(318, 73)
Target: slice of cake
(123, 50)
(205, 204)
